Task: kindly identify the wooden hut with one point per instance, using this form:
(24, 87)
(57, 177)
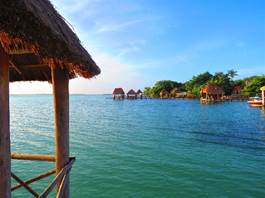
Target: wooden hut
(37, 45)
(164, 94)
(211, 93)
(131, 94)
(236, 90)
(118, 94)
(263, 95)
(181, 94)
(174, 92)
(139, 94)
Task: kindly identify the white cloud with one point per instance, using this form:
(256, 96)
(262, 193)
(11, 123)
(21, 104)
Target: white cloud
(115, 73)
(118, 26)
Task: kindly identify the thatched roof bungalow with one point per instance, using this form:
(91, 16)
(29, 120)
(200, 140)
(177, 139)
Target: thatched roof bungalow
(164, 94)
(211, 92)
(36, 44)
(131, 94)
(174, 92)
(37, 38)
(139, 94)
(237, 90)
(118, 94)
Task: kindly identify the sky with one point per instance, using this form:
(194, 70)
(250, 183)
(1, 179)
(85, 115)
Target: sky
(138, 42)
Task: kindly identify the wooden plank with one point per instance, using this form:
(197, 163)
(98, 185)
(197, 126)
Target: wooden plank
(56, 180)
(5, 160)
(35, 194)
(37, 66)
(60, 81)
(34, 157)
(21, 52)
(15, 67)
(37, 178)
(63, 184)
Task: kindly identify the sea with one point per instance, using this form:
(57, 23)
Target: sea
(145, 148)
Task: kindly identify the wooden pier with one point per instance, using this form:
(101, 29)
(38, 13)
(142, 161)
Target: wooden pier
(41, 47)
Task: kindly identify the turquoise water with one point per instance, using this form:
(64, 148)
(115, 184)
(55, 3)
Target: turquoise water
(147, 148)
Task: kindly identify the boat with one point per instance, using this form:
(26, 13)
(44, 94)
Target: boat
(255, 101)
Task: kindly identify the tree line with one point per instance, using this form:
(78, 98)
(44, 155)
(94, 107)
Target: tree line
(250, 86)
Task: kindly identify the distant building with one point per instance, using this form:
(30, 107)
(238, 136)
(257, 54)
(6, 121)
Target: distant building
(263, 95)
(181, 94)
(211, 93)
(164, 94)
(118, 94)
(174, 92)
(177, 93)
(237, 90)
(131, 94)
(139, 94)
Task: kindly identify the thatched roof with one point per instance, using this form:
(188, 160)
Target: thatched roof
(237, 89)
(131, 92)
(174, 91)
(212, 89)
(262, 88)
(118, 91)
(37, 38)
(163, 92)
(139, 91)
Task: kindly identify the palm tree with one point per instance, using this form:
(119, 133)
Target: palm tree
(231, 73)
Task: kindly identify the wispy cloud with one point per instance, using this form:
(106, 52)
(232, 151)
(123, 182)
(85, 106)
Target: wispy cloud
(119, 26)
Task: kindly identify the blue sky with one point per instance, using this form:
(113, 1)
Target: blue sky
(137, 42)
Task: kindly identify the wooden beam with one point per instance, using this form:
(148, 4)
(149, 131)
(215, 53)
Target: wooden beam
(37, 66)
(37, 178)
(57, 179)
(21, 52)
(62, 185)
(5, 160)
(15, 67)
(35, 194)
(60, 81)
(34, 157)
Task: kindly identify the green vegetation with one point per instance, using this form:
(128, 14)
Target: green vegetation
(250, 86)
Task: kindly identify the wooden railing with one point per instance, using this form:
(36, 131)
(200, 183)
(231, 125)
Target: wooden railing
(59, 180)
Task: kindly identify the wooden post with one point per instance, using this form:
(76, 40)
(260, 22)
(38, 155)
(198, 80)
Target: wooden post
(60, 82)
(263, 97)
(5, 159)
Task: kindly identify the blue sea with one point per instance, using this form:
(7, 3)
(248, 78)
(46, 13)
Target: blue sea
(146, 148)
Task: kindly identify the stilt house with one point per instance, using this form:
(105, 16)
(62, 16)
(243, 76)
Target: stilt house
(211, 93)
(36, 44)
(118, 94)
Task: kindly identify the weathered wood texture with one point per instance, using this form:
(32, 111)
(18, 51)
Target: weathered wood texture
(57, 180)
(5, 160)
(37, 178)
(34, 193)
(33, 157)
(60, 81)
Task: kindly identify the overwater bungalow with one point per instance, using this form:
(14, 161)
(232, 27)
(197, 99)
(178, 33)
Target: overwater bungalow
(118, 94)
(211, 93)
(263, 95)
(177, 93)
(237, 90)
(139, 94)
(36, 44)
(174, 92)
(164, 94)
(131, 95)
(181, 94)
